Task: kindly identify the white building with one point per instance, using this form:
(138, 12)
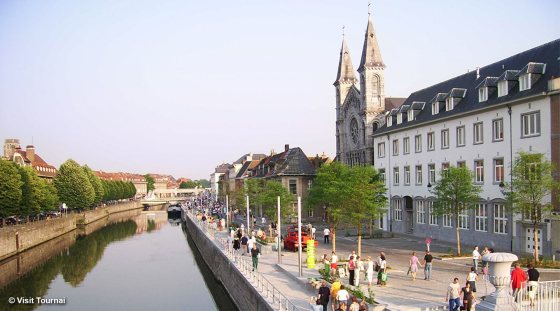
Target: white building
(481, 119)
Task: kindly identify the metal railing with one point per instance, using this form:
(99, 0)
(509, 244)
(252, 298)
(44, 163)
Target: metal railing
(539, 296)
(245, 266)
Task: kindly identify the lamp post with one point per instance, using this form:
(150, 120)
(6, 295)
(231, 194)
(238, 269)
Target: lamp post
(227, 212)
(279, 234)
(248, 215)
(300, 268)
(505, 193)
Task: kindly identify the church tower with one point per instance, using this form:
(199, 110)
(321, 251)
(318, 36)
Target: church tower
(371, 70)
(345, 80)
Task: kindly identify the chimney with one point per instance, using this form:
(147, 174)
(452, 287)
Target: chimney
(30, 152)
(477, 72)
(286, 147)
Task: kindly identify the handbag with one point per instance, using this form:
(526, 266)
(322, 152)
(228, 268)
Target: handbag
(384, 277)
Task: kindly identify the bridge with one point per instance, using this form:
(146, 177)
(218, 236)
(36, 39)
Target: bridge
(170, 196)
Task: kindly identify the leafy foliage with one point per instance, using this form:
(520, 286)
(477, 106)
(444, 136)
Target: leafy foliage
(37, 194)
(10, 188)
(189, 184)
(271, 190)
(73, 186)
(151, 182)
(96, 184)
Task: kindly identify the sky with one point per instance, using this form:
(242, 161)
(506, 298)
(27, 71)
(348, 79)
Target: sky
(179, 86)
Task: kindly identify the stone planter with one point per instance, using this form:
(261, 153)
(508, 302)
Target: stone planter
(499, 275)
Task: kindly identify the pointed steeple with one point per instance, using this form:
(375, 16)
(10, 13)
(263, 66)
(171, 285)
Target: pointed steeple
(345, 69)
(371, 55)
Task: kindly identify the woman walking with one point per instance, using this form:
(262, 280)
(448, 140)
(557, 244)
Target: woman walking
(351, 269)
(324, 293)
(413, 265)
(382, 274)
(468, 296)
(472, 277)
(359, 266)
(369, 271)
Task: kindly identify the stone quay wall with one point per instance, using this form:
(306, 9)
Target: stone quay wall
(243, 294)
(16, 239)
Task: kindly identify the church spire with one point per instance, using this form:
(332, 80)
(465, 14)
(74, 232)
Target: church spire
(371, 55)
(345, 69)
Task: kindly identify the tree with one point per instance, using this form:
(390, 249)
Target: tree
(189, 184)
(95, 183)
(73, 186)
(10, 188)
(330, 190)
(151, 182)
(37, 193)
(455, 193)
(271, 190)
(204, 183)
(531, 184)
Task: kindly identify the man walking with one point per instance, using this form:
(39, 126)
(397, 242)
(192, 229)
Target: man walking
(428, 265)
(517, 279)
(244, 241)
(475, 258)
(255, 254)
(452, 295)
(533, 283)
(326, 234)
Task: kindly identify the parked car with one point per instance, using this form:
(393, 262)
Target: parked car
(291, 239)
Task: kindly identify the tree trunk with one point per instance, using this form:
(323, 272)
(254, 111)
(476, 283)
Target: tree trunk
(359, 239)
(333, 231)
(536, 239)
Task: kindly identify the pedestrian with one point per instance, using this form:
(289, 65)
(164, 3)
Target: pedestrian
(517, 279)
(468, 297)
(251, 243)
(472, 277)
(485, 251)
(358, 267)
(533, 283)
(236, 245)
(342, 296)
(326, 234)
(413, 263)
(369, 271)
(351, 269)
(475, 258)
(355, 306)
(382, 273)
(335, 287)
(353, 254)
(428, 265)
(244, 241)
(452, 295)
(334, 263)
(324, 293)
(313, 230)
(255, 255)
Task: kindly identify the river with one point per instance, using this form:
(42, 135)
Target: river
(139, 261)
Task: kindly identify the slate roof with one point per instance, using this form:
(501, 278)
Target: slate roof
(41, 167)
(292, 162)
(546, 54)
(255, 156)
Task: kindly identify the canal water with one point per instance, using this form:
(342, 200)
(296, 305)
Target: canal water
(139, 262)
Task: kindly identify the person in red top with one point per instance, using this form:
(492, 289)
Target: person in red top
(518, 277)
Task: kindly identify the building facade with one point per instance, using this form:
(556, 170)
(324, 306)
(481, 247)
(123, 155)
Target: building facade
(28, 157)
(480, 120)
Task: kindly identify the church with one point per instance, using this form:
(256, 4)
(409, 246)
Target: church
(360, 104)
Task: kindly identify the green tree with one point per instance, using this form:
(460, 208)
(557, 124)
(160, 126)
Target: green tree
(271, 190)
(189, 184)
(204, 183)
(73, 186)
(532, 182)
(95, 181)
(10, 188)
(151, 182)
(48, 198)
(455, 193)
(37, 193)
(330, 189)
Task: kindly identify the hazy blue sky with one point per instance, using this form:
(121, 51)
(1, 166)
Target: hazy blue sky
(178, 87)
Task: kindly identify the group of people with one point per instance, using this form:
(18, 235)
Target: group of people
(339, 297)
(245, 245)
(358, 268)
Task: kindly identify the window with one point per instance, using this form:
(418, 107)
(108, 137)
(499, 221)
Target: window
(478, 138)
(410, 115)
(500, 219)
(431, 141)
(407, 175)
(446, 220)
(382, 174)
(498, 170)
(418, 143)
(395, 176)
(431, 173)
(433, 215)
(395, 147)
(524, 82)
(482, 94)
(389, 121)
(461, 164)
(498, 130)
(460, 136)
(479, 171)
(444, 167)
(399, 118)
(420, 212)
(293, 186)
(464, 219)
(418, 174)
(381, 150)
(435, 108)
(406, 145)
(397, 203)
(502, 88)
(449, 103)
(531, 124)
(480, 217)
(445, 139)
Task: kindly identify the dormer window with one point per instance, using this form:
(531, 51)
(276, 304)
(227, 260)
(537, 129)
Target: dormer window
(389, 121)
(502, 88)
(449, 104)
(410, 115)
(482, 94)
(524, 82)
(435, 108)
(399, 118)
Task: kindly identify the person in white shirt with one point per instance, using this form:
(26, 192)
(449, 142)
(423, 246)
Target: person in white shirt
(342, 296)
(452, 295)
(326, 234)
(313, 229)
(475, 258)
(251, 242)
(334, 261)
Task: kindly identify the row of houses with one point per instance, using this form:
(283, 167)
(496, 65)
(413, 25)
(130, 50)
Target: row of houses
(292, 167)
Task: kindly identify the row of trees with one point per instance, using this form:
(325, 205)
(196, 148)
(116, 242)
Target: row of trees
(23, 192)
(201, 183)
(263, 196)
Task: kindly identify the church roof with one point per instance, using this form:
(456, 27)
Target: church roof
(542, 59)
(371, 55)
(292, 162)
(345, 69)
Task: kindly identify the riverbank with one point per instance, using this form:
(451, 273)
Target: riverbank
(19, 238)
